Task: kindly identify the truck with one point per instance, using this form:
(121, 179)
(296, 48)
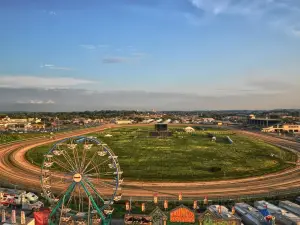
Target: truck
(33, 206)
(25, 198)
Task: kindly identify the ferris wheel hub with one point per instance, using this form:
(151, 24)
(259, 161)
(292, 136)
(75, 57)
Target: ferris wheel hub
(77, 177)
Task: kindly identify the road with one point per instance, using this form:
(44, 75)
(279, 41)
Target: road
(15, 168)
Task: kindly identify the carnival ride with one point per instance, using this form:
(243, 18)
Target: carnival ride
(83, 168)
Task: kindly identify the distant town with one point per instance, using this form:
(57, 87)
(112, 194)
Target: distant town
(282, 121)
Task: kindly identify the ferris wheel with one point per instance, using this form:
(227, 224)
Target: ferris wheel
(81, 179)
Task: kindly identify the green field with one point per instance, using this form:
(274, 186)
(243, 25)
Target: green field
(5, 138)
(187, 157)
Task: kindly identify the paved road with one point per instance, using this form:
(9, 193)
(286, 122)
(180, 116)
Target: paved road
(14, 167)
(117, 222)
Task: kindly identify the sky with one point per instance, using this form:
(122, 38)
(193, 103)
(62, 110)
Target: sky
(75, 55)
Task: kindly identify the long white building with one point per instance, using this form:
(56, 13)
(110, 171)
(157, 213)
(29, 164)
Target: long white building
(280, 128)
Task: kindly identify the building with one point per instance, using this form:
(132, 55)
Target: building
(18, 121)
(251, 116)
(37, 126)
(217, 214)
(290, 206)
(208, 120)
(137, 219)
(158, 216)
(160, 127)
(123, 122)
(263, 122)
(281, 215)
(283, 128)
(167, 121)
(182, 214)
(34, 120)
(249, 215)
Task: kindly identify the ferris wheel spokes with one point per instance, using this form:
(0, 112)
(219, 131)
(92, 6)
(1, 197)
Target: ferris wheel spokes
(95, 167)
(68, 159)
(87, 171)
(92, 201)
(83, 171)
(91, 186)
(76, 157)
(63, 165)
(62, 200)
(85, 149)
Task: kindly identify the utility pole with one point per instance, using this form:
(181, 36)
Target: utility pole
(15, 185)
(130, 206)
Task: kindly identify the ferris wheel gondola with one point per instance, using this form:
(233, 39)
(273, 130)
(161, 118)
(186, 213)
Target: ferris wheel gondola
(81, 178)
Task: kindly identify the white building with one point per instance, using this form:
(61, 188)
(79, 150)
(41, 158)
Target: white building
(290, 128)
(167, 121)
(208, 120)
(123, 122)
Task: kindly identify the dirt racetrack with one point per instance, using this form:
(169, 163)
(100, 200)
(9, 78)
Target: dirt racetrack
(17, 170)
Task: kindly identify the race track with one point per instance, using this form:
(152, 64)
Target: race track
(17, 170)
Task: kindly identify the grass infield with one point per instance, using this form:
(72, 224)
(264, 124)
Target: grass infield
(186, 157)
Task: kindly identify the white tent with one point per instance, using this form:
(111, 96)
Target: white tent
(189, 129)
(108, 135)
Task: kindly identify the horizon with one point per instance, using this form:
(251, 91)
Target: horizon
(168, 55)
(161, 111)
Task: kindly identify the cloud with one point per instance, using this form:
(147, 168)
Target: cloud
(295, 31)
(60, 68)
(53, 67)
(89, 47)
(36, 102)
(50, 102)
(138, 54)
(102, 46)
(116, 59)
(52, 13)
(269, 84)
(215, 7)
(80, 100)
(193, 19)
(40, 82)
(271, 11)
(111, 60)
(48, 65)
(94, 47)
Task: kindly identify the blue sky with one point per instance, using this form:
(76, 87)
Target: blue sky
(199, 48)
